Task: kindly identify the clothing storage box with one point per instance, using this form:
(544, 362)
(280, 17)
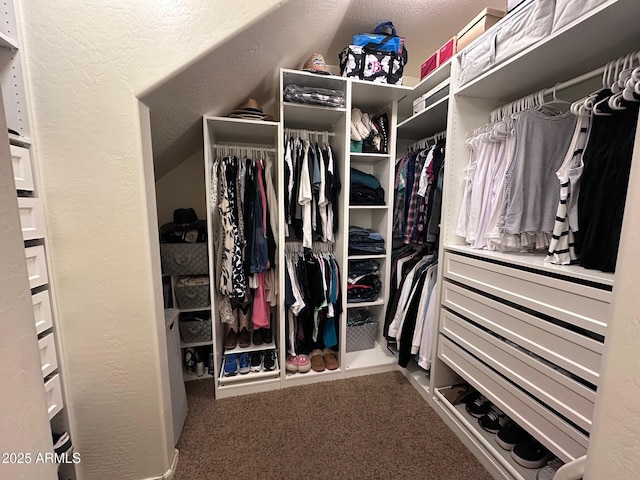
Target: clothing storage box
(430, 64)
(184, 258)
(569, 10)
(476, 27)
(418, 104)
(192, 292)
(361, 337)
(447, 51)
(516, 32)
(195, 327)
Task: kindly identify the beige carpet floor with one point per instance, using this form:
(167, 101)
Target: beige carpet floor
(371, 427)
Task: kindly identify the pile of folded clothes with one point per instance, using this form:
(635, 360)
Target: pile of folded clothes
(363, 284)
(360, 316)
(365, 241)
(365, 189)
(313, 96)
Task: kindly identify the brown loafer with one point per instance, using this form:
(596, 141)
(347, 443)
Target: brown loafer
(330, 359)
(317, 360)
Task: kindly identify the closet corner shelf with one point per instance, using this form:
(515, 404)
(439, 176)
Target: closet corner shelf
(487, 439)
(366, 257)
(430, 120)
(575, 49)
(536, 261)
(196, 344)
(251, 348)
(429, 82)
(368, 207)
(311, 117)
(368, 158)
(378, 356)
(19, 140)
(188, 377)
(368, 95)
(379, 301)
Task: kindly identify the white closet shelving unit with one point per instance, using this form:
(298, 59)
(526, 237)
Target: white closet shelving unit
(497, 309)
(220, 132)
(34, 229)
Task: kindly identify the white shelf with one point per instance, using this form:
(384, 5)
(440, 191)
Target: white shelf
(247, 377)
(536, 261)
(251, 348)
(373, 357)
(308, 79)
(431, 120)
(368, 158)
(565, 54)
(190, 310)
(311, 117)
(7, 42)
(312, 376)
(238, 130)
(368, 207)
(487, 439)
(379, 301)
(196, 344)
(370, 96)
(188, 377)
(431, 81)
(19, 140)
(366, 257)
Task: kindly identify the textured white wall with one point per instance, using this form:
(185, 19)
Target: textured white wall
(182, 187)
(615, 438)
(85, 62)
(24, 422)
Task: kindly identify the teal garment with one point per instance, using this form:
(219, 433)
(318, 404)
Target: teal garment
(365, 179)
(330, 336)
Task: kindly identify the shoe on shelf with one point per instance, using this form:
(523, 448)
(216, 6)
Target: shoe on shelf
(231, 365)
(292, 364)
(494, 420)
(479, 406)
(549, 470)
(267, 335)
(256, 361)
(298, 363)
(231, 341)
(62, 443)
(245, 363)
(330, 359)
(244, 339)
(510, 435)
(317, 360)
(258, 339)
(530, 453)
(269, 362)
(190, 360)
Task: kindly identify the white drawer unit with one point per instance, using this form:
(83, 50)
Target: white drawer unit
(48, 359)
(567, 442)
(31, 218)
(568, 349)
(22, 175)
(581, 305)
(53, 394)
(42, 311)
(36, 266)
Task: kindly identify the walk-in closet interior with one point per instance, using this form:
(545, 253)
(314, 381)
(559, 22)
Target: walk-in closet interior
(466, 222)
(483, 280)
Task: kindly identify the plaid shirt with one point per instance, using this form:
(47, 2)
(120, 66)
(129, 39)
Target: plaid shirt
(412, 211)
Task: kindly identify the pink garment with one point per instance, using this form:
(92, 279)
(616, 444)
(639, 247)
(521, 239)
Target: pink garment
(261, 317)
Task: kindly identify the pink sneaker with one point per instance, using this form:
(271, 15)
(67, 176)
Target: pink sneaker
(298, 363)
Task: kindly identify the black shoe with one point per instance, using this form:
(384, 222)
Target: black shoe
(257, 337)
(256, 361)
(382, 125)
(267, 335)
(479, 407)
(62, 443)
(530, 453)
(494, 420)
(509, 435)
(269, 362)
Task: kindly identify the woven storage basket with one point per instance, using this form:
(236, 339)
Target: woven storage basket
(192, 296)
(361, 337)
(184, 258)
(195, 328)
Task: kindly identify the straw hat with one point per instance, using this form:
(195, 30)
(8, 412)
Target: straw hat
(250, 109)
(316, 64)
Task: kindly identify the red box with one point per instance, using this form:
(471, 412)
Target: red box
(448, 50)
(430, 64)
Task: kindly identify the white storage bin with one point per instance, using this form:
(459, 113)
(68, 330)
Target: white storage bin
(31, 218)
(22, 175)
(569, 10)
(526, 26)
(48, 358)
(42, 311)
(53, 394)
(36, 266)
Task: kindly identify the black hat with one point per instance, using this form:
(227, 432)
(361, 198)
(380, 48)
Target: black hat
(185, 217)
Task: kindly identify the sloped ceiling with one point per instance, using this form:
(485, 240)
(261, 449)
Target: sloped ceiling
(246, 65)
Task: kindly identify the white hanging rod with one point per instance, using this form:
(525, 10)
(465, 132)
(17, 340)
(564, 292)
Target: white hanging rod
(292, 248)
(422, 143)
(296, 132)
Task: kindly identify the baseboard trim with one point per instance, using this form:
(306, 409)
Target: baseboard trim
(168, 475)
